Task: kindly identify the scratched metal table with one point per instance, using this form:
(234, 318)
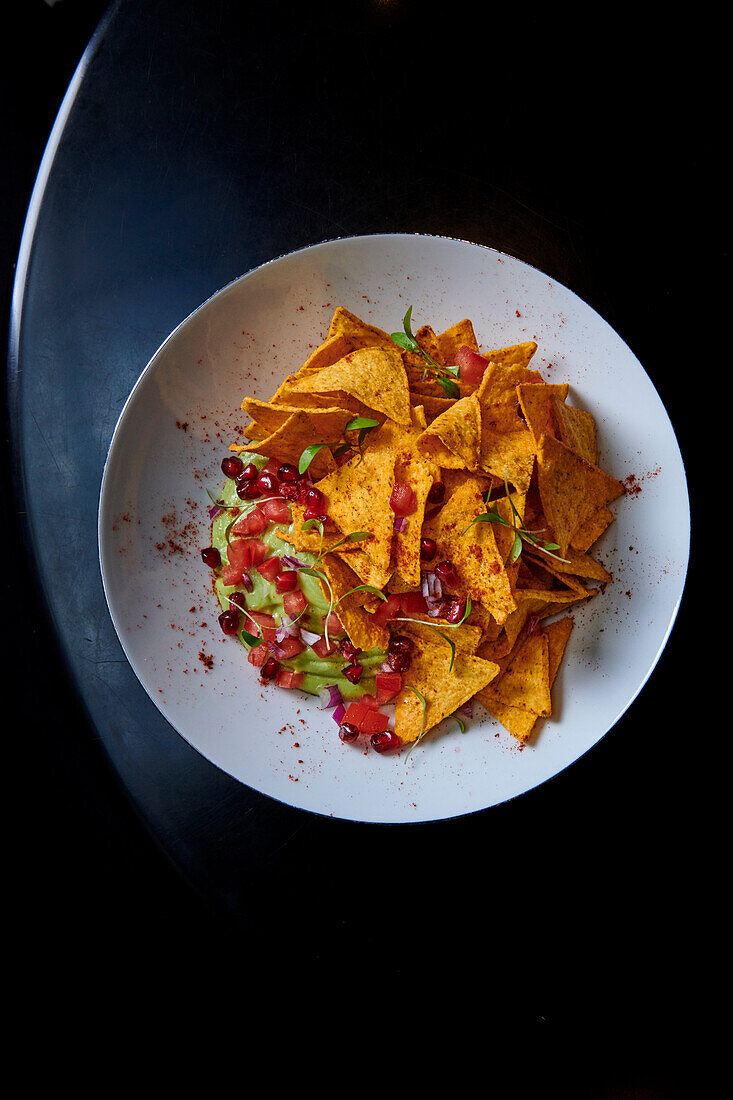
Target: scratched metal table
(196, 141)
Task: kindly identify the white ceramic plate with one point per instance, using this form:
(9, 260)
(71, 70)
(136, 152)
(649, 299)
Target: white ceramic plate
(166, 451)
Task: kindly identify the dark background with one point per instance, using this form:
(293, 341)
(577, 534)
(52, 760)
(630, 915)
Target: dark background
(589, 150)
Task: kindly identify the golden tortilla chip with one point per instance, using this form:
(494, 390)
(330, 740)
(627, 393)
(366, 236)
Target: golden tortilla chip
(577, 430)
(289, 442)
(526, 680)
(537, 400)
(375, 376)
(590, 531)
(310, 539)
(508, 368)
(360, 626)
(474, 552)
(457, 336)
(444, 689)
(571, 489)
(457, 431)
(358, 333)
(575, 565)
(508, 454)
(432, 406)
(332, 349)
(325, 425)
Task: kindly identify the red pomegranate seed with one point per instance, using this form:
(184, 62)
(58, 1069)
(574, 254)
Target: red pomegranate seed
(288, 491)
(314, 499)
(437, 493)
(398, 662)
(348, 649)
(447, 575)
(455, 610)
(232, 466)
(269, 669)
(247, 582)
(250, 472)
(403, 501)
(287, 581)
(353, 673)
(211, 556)
(247, 489)
(313, 513)
(287, 472)
(348, 733)
(383, 742)
(304, 486)
(428, 549)
(398, 643)
(229, 620)
(267, 484)
(239, 600)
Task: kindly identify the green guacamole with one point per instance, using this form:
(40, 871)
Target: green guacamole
(320, 672)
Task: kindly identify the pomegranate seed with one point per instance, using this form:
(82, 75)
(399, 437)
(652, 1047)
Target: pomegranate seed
(232, 466)
(239, 600)
(287, 472)
(437, 493)
(266, 483)
(314, 499)
(398, 643)
(348, 733)
(383, 742)
(250, 472)
(304, 486)
(353, 673)
(211, 556)
(313, 513)
(287, 581)
(447, 575)
(270, 669)
(229, 620)
(398, 662)
(455, 610)
(288, 491)
(428, 549)
(246, 488)
(247, 582)
(348, 649)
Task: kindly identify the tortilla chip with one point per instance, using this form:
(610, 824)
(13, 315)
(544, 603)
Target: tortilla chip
(357, 332)
(332, 349)
(506, 370)
(590, 531)
(428, 341)
(508, 454)
(577, 430)
(432, 406)
(456, 432)
(310, 539)
(457, 336)
(479, 565)
(537, 400)
(325, 425)
(526, 681)
(375, 376)
(290, 440)
(362, 630)
(575, 565)
(443, 689)
(571, 489)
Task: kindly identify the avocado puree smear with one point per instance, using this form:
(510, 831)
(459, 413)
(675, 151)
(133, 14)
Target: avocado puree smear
(319, 672)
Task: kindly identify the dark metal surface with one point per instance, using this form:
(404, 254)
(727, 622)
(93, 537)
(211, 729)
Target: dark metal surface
(198, 140)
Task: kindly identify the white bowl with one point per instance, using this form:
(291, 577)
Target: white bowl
(166, 452)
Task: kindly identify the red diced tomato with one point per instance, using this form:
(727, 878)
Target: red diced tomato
(243, 553)
(388, 684)
(252, 524)
(368, 700)
(286, 678)
(269, 569)
(403, 500)
(230, 574)
(290, 647)
(260, 624)
(276, 511)
(335, 626)
(356, 712)
(387, 609)
(374, 722)
(472, 365)
(413, 603)
(258, 655)
(294, 603)
(323, 648)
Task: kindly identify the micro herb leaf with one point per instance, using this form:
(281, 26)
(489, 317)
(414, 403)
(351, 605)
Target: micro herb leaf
(516, 549)
(219, 503)
(355, 536)
(308, 455)
(450, 388)
(361, 422)
(228, 529)
(250, 639)
(407, 341)
(452, 645)
(461, 723)
(341, 449)
(423, 700)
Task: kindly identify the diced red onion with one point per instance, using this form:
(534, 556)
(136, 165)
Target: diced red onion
(276, 650)
(330, 697)
(339, 713)
(287, 629)
(401, 523)
(292, 562)
(216, 509)
(309, 637)
(385, 667)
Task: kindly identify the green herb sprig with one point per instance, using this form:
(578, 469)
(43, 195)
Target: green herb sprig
(521, 534)
(361, 424)
(441, 374)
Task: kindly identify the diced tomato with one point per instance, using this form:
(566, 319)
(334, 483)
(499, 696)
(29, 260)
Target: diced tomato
(269, 569)
(403, 501)
(387, 609)
(374, 722)
(258, 654)
(368, 700)
(388, 684)
(324, 649)
(335, 626)
(413, 603)
(252, 524)
(294, 603)
(472, 365)
(290, 647)
(266, 624)
(356, 713)
(230, 574)
(243, 553)
(286, 678)
(276, 511)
